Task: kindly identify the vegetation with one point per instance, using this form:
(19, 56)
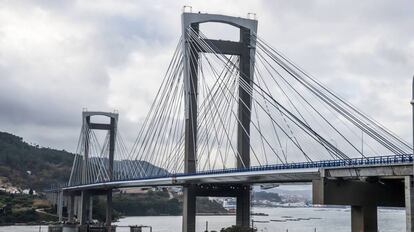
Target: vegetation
(238, 229)
(146, 204)
(155, 203)
(99, 210)
(273, 197)
(33, 167)
(20, 208)
(204, 205)
(29, 166)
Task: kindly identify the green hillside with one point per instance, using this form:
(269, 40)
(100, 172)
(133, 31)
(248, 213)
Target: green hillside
(29, 166)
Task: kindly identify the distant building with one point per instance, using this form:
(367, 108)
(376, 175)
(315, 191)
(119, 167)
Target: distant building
(230, 204)
(29, 192)
(135, 190)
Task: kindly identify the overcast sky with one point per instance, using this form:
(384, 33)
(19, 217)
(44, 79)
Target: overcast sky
(58, 57)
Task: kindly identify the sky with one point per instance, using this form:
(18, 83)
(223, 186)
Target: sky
(60, 57)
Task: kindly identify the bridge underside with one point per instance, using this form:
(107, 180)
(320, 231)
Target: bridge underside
(306, 175)
(365, 189)
(302, 176)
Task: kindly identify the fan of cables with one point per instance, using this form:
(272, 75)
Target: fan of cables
(294, 118)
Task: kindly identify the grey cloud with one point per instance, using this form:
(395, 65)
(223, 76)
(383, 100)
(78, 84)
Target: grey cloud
(113, 54)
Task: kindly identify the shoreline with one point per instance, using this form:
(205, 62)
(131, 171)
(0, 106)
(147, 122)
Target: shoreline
(25, 224)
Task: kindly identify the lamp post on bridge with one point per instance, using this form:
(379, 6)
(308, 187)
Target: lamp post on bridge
(409, 185)
(412, 106)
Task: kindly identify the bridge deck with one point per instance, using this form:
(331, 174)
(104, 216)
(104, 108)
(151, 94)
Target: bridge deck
(382, 166)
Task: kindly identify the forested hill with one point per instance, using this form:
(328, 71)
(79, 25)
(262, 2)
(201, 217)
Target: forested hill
(29, 166)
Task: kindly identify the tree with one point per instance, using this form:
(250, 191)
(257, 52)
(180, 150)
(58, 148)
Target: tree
(238, 229)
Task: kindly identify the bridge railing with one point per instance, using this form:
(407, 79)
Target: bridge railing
(354, 162)
(391, 159)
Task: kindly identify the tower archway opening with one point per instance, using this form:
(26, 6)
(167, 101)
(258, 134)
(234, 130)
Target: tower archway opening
(220, 31)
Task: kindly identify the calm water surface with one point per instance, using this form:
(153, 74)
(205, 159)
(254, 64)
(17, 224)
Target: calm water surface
(287, 219)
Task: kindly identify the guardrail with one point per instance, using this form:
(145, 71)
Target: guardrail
(354, 162)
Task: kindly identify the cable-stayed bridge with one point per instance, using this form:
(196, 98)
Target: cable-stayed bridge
(230, 114)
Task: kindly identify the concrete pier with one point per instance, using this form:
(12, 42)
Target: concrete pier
(60, 203)
(108, 221)
(189, 208)
(364, 219)
(243, 207)
(409, 203)
(84, 204)
(364, 196)
(71, 209)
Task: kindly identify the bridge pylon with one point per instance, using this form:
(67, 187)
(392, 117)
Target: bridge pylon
(244, 48)
(85, 200)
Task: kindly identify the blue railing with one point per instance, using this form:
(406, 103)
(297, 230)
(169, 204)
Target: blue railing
(354, 162)
(392, 159)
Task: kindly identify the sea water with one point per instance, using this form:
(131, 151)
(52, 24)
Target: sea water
(278, 220)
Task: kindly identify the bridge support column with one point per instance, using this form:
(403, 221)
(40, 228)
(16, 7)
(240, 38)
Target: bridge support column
(243, 207)
(90, 209)
(71, 208)
(363, 196)
(60, 205)
(108, 221)
(409, 203)
(77, 207)
(55, 201)
(364, 219)
(84, 207)
(189, 208)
